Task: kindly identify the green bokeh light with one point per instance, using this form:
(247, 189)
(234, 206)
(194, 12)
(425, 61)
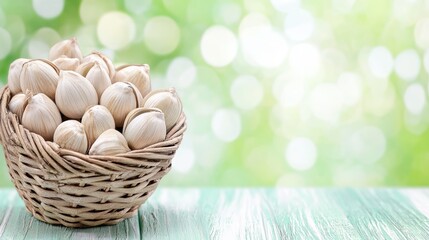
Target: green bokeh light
(280, 92)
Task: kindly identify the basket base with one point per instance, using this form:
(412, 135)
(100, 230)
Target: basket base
(85, 224)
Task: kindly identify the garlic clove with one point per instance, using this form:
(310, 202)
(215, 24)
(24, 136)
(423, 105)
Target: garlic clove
(84, 68)
(68, 48)
(168, 102)
(65, 63)
(71, 135)
(110, 142)
(99, 78)
(104, 62)
(135, 74)
(120, 98)
(39, 76)
(17, 104)
(41, 115)
(97, 120)
(144, 127)
(13, 75)
(74, 94)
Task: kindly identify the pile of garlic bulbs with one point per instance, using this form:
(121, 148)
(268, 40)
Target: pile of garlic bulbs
(86, 105)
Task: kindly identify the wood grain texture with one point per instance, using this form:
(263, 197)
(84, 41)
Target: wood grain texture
(247, 214)
(286, 214)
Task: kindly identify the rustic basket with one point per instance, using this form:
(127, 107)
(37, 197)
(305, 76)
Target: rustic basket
(64, 187)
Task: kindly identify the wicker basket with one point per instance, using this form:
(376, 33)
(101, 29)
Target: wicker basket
(64, 187)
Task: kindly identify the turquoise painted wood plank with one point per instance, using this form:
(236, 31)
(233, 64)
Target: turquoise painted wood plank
(184, 213)
(286, 214)
(384, 214)
(7, 201)
(350, 214)
(17, 223)
(247, 214)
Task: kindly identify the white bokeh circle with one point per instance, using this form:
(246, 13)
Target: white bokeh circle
(218, 46)
(161, 35)
(47, 8)
(116, 30)
(226, 124)
(301, 154)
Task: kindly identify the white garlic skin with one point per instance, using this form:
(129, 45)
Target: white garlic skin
(109, 143)
(65, 63)
(120, 98)
(104, 62)
(71, 135)
(144, 127)
(84, 68)
(39, 76)
(74, 94)
(97, 120)
(41, 115)
(69, 48)
(13, 76)
(168, 102)
(139, 75)
(99, 78)
(17, 104)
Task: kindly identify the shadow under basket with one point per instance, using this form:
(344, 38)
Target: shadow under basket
(68, 188)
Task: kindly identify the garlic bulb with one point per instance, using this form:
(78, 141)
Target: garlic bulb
(41, 115)
(65, 63)
(68, 48)
(144, 127)
(74, 94)
(104, 62)
(99, 78)
(13, 76)
(39, 76)
(71, 135)
(17, 104)
(135, 74)
(120, 98)
(168, 102)
(110, 142)
(96, 120)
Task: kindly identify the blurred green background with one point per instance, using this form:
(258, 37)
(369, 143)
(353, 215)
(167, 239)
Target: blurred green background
(277, 93)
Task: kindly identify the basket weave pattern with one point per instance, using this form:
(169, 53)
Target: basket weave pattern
(64, 187)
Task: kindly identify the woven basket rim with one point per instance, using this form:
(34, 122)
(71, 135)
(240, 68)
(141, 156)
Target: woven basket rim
(56, 160)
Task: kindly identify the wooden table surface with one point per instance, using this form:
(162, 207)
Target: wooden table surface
(302, 213)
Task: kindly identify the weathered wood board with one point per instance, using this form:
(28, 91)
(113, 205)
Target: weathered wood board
(302, 213)
(287, 214)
